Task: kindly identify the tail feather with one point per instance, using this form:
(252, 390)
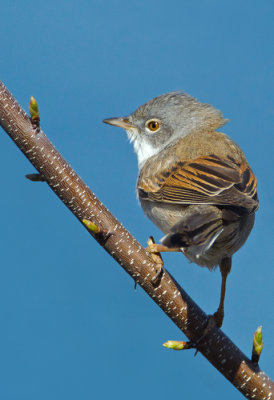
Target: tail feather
(200, 227)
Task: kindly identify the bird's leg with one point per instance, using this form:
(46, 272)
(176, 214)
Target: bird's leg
(217, 318)
(225, 267)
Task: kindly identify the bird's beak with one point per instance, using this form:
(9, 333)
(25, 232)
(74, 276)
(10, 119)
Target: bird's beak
(120, 122)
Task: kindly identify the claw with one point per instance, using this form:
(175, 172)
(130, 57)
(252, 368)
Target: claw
(158, 274)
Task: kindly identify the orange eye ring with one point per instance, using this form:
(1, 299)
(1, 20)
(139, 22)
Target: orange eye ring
(153, 125)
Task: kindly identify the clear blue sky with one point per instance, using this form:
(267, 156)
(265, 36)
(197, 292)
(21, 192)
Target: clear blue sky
(72, 326)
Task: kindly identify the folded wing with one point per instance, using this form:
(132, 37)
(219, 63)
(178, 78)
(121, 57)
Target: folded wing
(205, 180)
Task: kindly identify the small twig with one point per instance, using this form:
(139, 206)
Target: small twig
(35, 177)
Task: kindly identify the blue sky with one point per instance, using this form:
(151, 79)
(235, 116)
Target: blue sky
(71, 324)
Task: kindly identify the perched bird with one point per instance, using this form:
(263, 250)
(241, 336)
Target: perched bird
(194, 183)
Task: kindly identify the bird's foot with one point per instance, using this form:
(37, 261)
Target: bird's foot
(155, 249)
(218, 317)
(213, 321)
(156, 257)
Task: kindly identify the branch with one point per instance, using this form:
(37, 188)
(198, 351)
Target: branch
(220, 351)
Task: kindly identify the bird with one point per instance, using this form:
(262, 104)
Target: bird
(194, 182)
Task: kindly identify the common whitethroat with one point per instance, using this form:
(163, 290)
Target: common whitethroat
(194, 183)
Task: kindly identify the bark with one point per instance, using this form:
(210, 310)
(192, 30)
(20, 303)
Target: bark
(219, 350)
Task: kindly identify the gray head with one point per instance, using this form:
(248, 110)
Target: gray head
(164, 119)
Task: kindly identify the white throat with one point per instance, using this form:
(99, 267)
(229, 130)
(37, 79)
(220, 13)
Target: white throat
(142, 148)
(144, 151)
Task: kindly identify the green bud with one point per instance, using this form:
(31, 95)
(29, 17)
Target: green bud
(91, 226)
(176, 345)
(33, 108)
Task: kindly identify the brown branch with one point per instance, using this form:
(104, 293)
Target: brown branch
(118, 242)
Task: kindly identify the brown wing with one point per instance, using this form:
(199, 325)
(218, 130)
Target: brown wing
(205, 180)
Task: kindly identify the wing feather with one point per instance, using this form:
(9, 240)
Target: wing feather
(205, 180)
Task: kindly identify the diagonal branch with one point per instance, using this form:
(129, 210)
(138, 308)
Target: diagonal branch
(124, 248)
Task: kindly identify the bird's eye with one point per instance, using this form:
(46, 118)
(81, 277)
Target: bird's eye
(153, 125)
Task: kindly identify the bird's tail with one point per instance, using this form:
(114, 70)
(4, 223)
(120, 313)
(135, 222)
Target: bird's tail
(200, 227)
